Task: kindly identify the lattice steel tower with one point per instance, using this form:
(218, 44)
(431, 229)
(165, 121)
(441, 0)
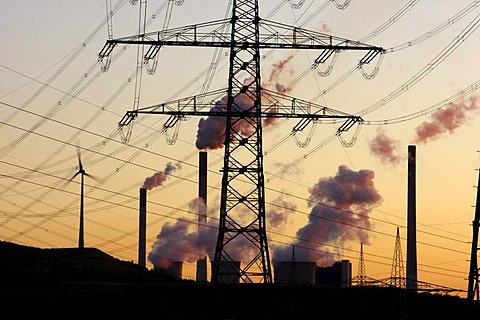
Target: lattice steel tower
(397, 277)
(242, 207)
(362, 274)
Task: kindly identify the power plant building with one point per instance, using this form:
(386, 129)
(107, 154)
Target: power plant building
(307, 272)
(295, 272)
(337, 275)
(174, 269)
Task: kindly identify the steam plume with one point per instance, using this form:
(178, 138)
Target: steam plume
(159, 177)
(183, 241)
(211, 131)
(445, 121)
(278, 69)
(277, 216)
(384, 147)
(340, 209)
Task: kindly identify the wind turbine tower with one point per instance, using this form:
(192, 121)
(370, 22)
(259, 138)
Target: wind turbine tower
(82, 173)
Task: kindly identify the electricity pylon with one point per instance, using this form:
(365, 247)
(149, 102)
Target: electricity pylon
(473, 275)
(397, 277)
(246, 103)
(361, 275)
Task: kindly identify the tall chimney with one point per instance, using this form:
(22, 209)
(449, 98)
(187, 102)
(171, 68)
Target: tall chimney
(411, 221)
(142, 227)
(202, 209)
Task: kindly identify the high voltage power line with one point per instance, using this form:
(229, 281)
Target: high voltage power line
(305, 213)
(144, 150)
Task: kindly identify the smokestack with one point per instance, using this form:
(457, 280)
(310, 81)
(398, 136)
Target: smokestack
(202, 209)
(411, 221)
(142, 227)
(202, 184)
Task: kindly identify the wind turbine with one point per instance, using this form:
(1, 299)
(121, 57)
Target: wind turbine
(82, 173)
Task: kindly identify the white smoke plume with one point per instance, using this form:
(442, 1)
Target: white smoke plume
(445, 120)
(211, 131)
(184, 240)
(339, 215)
(279, 212)
(385, 148)
(159, 177)
(279, 69)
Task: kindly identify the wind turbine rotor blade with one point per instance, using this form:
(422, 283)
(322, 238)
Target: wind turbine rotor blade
(92, 177)
(67, 181)
(79, 156)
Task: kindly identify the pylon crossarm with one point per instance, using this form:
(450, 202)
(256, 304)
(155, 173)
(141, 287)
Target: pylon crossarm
(199, 102)
(274, 105)
(288, 106)
(175, 108)
(106, 50)
(351, 121)
(189, 35)
(272, 35)
(127, 118)
(280, 35)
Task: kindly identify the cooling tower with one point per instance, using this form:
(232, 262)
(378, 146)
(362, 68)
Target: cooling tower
(295, 272)
(202, 210)
(142, 227)
(346, 276)
(337, 275)
(411, 275)
(175, 269)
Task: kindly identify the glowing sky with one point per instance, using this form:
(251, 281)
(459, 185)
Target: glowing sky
(55, 97)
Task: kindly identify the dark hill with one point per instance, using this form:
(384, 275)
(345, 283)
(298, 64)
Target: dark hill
(20, 263)
(89, 283)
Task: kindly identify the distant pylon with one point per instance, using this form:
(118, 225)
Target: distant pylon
(473, 275)
(361, 275)
(397, 278)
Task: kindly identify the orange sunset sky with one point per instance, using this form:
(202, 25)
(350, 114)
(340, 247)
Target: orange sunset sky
(55, 100)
